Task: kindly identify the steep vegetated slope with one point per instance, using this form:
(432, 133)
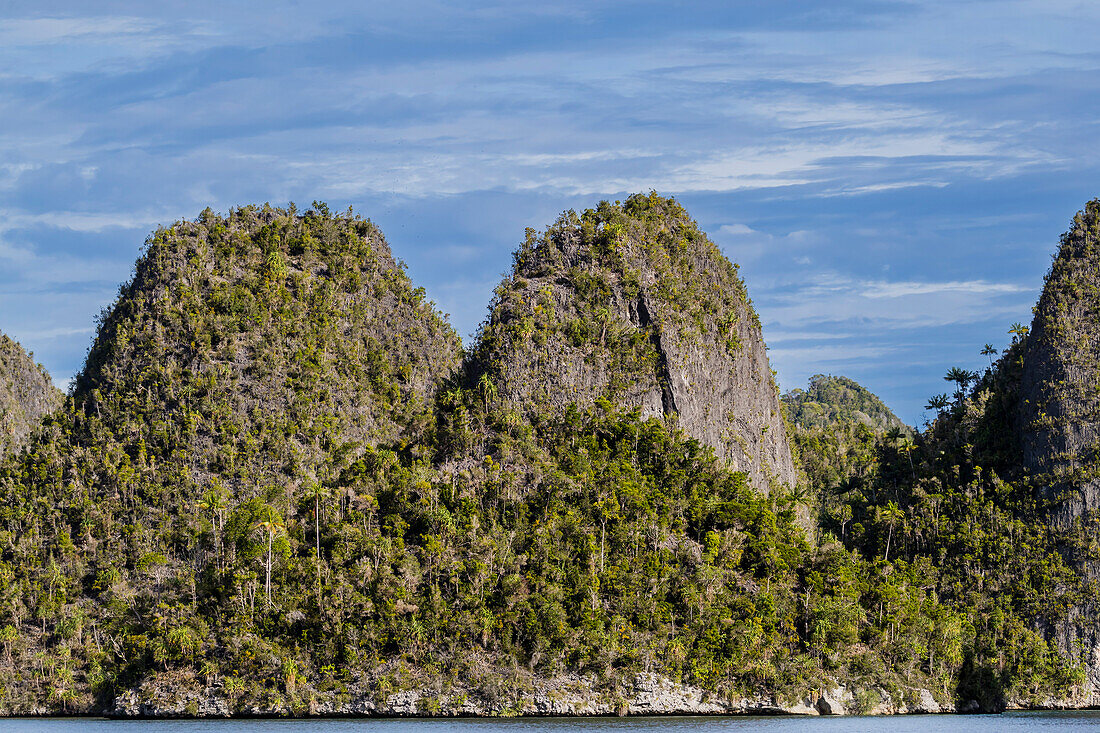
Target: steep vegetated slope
(951, 507)
(632, 302)
(1000, 493)
(251, 360)
(26, 395)
(834, 423)
(253, 348)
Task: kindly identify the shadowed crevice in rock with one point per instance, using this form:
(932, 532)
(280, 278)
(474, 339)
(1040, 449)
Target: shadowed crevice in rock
(668, 399)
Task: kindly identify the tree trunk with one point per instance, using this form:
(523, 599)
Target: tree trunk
(603, 532)
(267, 582)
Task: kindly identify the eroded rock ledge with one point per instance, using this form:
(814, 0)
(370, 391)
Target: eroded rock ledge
(645, 694)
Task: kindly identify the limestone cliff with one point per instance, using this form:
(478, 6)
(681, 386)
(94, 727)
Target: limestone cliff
(1060, 387)
(26, 395)
(1059, 419)
(633, 303)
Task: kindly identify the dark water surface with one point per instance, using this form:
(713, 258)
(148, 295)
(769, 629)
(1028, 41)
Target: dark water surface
(1049, 722)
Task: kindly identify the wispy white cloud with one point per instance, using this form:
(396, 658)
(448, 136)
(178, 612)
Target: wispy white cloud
(884, 289)
(108, 30)
(83, 221)
(830, 299)
(48, 334)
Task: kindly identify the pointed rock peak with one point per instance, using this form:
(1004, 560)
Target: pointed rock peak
(26, 395)
(1060, 385)
(632, 302)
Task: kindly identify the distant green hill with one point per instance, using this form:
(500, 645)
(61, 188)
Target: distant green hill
(830, 400)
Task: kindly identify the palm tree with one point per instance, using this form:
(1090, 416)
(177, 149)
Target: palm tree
(8, 635)
(962, 378)
(214, 502)
(269, 526)
(890, 515)
(487, 389)
(989, 350)
(603, 317)
(456, 398)
(316, 492)
(1018, 332)
(938, 403)
(844, 515)
(906, 446)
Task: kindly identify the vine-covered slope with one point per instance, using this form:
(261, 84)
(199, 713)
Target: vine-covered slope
(26, 395)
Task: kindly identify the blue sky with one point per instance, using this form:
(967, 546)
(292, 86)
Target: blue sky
(891, 176)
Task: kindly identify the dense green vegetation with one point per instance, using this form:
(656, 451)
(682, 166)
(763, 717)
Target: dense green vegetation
(276, 473)
(951, 510)
(248, 365)
(954, 500)
(834, 426)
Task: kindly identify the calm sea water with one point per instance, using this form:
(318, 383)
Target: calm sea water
(1045, 721)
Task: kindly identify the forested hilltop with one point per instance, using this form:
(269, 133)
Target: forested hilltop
(279, 486)
(828, 401)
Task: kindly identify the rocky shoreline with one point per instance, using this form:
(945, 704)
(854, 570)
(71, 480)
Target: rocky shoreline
(569, 696)
(183, 695)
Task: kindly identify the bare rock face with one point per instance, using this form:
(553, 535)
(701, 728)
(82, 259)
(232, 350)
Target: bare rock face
(1060, 387)
(26, 395)
(632, 303)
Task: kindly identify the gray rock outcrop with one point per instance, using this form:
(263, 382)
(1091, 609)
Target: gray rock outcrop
(634, 304)
(26, 395)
